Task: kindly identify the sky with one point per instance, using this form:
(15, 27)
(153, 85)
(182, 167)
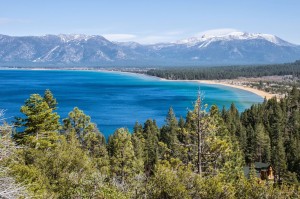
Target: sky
(150, 21)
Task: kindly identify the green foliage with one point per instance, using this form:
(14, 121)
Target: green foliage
(269, 132)
(124, 165)
(39, 116)
(89, 136)
(167, 183)
(138, 141)
(213, 187)
(76, 161)
(151, 134)
(79, 123)
(169, 133)
(50, 100)
(94, 144)
(9, 188)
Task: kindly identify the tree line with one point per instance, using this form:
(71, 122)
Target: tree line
(226, 72)
(200, 156)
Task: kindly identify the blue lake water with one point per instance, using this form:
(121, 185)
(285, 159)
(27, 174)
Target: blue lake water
(114, 99)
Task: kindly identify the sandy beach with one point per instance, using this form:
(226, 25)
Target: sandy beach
(260, 93)
(263, 94)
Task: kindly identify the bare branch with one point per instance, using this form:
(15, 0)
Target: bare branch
(9, 189)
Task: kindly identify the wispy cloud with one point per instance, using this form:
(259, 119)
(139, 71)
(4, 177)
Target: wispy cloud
(167, 36)
(145, 38)
(216, 32)
(119, 37)
(151, 39)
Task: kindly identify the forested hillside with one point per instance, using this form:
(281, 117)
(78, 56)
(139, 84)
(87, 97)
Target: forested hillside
(200, 156)
(226, 72)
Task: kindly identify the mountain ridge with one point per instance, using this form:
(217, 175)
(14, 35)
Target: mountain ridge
(96, 50)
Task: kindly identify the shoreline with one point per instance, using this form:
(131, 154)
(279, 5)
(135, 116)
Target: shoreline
(260, 93)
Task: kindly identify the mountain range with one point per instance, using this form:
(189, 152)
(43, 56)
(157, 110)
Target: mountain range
(85, 50)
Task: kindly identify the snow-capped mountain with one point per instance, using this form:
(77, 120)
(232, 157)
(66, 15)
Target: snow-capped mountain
(94, 50)
(208, 38)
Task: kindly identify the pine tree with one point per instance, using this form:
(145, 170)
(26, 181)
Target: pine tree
(250, 154)
(50, 100)
(185, 143)
(169, 133)
(292, 131)
(150, 132)
(138, 141)
(123, 161)
(39, 117)
(94, 144)
(278, 156)
(263, 145)
(80, 123)
(138, 129)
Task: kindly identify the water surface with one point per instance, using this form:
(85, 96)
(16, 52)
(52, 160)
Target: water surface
(113, 99)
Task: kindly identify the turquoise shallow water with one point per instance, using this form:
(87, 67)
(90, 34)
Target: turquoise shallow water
(113, 99)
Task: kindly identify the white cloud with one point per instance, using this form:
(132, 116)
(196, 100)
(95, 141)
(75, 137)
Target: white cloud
(152, 39)
(144, 39)
(119, 37)
(173, 36)
(216, 32)
(168, 36)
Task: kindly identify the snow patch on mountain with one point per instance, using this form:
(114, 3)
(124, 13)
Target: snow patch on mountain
(206, 39)
(207, 49)
(74, 37)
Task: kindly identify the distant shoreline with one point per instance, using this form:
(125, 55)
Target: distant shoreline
(260, 93)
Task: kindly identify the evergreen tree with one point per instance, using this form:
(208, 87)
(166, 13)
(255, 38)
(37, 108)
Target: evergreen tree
(39, 117)
(185, 143)
(250, 154)
(79, 123)
(123, 162)
(170, 180)
(263, 145)
(138, 129)
(150, 132)
(292, 131)
(94, 144)
(138, 141)
(77, 165)
(278, 156)
(169, 133)
(50, 100)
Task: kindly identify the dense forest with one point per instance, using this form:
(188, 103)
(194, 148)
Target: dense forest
(226, 72)
(200, 156)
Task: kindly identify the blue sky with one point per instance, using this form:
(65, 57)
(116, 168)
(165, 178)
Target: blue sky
(150, 21)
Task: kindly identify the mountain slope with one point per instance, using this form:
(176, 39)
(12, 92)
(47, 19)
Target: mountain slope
(83, 50)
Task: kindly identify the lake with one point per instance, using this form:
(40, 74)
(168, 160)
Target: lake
(114, 99)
